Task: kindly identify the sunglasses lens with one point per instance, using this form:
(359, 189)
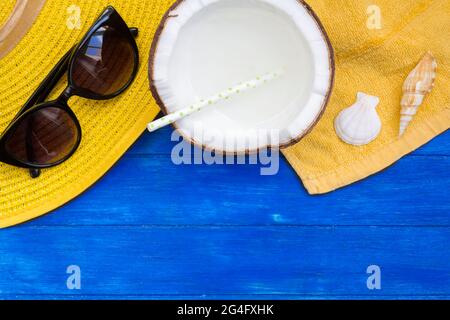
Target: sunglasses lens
(105, 64)
(43, 137)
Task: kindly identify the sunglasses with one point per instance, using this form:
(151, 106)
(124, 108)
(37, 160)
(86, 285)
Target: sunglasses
(102, 66)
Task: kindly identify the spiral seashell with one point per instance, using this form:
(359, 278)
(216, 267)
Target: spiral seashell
(359, 124)
(419, 83)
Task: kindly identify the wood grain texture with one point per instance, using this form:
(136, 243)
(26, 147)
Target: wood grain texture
(227, 260)
(148, 189)
(150, 229)
(223, 297)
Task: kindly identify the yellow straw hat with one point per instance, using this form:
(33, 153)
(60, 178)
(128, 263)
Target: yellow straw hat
(34, 35)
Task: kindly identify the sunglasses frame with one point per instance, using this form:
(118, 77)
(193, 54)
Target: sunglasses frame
(36, 102)
(52, 104)
(109, 15)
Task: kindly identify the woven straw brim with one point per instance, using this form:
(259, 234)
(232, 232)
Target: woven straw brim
(6, 7)
(109, 127)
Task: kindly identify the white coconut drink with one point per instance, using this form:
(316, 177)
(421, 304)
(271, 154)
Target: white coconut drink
(203, 47)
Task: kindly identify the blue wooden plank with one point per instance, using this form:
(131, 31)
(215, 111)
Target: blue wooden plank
(223, 297)
(160, 143)
(153, 191)
(143, 233)
(225, 261)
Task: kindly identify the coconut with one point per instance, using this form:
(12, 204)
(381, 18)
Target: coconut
(205, 46)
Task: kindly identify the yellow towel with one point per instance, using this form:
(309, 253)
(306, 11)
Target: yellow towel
(377, 44)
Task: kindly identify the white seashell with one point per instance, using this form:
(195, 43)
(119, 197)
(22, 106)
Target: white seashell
(419, 83)
(359, 124)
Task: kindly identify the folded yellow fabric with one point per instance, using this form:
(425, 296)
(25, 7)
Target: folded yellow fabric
(377, 62)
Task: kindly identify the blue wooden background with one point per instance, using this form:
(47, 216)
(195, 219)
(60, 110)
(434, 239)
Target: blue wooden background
(151, 229)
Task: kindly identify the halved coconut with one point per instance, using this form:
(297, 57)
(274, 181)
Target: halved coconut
(205, 46)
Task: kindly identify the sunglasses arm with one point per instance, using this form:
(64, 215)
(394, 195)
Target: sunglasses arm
(42, 92)
(134, 32)
(46, 87)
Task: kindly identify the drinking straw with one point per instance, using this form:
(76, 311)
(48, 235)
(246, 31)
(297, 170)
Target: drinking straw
(224, 95)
